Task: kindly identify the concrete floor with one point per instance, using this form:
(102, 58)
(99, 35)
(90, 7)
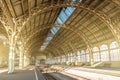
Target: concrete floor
(89, 73)
(18, 75)
(61, 76)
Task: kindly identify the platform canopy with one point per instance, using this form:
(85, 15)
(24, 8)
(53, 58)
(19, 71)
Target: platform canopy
(57, 27)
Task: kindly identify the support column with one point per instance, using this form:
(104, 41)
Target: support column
(91, 56)
(21, 58)
(75, 59)
(67, 59)
(11, 55)
(109, 52)
(26, 60)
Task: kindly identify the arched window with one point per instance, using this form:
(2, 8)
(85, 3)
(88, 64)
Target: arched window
(104, 53)
(95, 49)
(87, 55)
(114, 51)
(114, 44)
(96, 55)
(83, 56)
(78, 56)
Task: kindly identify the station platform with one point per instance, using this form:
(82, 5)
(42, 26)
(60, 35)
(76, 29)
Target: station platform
(17, 75)
(57, 72)
(32, 73)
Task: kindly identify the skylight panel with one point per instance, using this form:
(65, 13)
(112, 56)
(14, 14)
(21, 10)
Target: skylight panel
(67, 12)
(54, 30)
(48, 38)
(71, 9)
(61, 19)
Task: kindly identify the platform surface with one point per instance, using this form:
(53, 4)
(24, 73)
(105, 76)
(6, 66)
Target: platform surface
(18, 75)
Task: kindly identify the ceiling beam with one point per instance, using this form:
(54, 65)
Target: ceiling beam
(29, 7)
(23, 7)
(11, 8)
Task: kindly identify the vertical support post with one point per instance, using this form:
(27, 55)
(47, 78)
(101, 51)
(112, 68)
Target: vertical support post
(91, 56)
(75, 59)
(109, 52)
(61, 60)
(11, 54)
(67, 59)
(99, 54)
(26, 59)
(21, 58)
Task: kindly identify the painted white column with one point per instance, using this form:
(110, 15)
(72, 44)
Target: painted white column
(21, 58)
(91, 57)
(11, 55)
(26, 60)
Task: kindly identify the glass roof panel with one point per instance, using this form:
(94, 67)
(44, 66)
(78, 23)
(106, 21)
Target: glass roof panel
(61, 19)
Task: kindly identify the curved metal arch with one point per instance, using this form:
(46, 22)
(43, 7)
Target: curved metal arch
(71, 46)
(103, 17)
(5, 29)
(34, 38)
(4, 24)
(52, 53)
(116, 2)
(35, 42)
(40, 33)
(32, 47)
(6, 18)
(77, 32)
(64, 26)
(48, 56)
(101, 31)
(66, 45)
(57, 48)
(31, 36)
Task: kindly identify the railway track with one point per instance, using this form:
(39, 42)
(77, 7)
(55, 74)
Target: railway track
(47, 76)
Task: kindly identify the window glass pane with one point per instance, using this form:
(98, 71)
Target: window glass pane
(104, 53)
(95, 49)
(96, 54)
(78, 56)
(104, 56)
(103, 47)
(114, 51)
(115, 55)
(114, 44)
(87, 58)
(87, 55)
(83, 56)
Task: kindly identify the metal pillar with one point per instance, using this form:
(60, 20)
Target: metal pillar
(11, 55)
(75, 59)
(91, 56)
(26, 61)
(21, 58)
